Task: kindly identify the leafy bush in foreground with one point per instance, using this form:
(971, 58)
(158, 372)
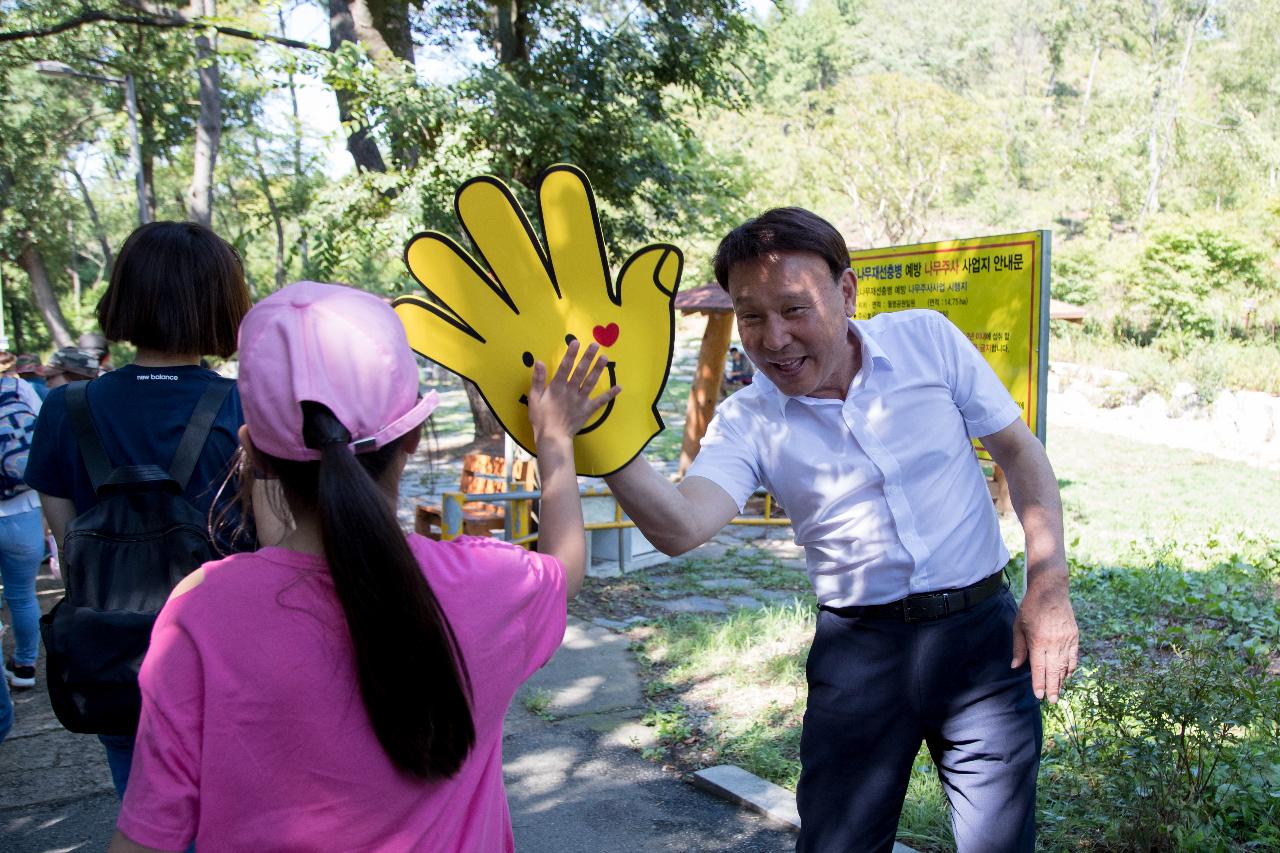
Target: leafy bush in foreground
(1172, 751)
(1170, 737)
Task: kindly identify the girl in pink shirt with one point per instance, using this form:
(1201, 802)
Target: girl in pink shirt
(345, 687)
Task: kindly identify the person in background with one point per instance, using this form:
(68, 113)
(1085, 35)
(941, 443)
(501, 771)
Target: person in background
(345, 687)
(28, 367)
(738, 371)
(70, 364)
(177, 291)
(21, 525)
(96, 345)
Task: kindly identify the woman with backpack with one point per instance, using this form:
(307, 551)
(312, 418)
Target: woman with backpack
(345, 687)
(177, 292)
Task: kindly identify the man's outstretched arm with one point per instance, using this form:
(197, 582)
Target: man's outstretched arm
(674, 518)
(1045, 632)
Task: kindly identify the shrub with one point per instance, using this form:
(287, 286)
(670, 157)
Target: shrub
(1075, 277)
(1168, 739)
(1172, 749)
(1187, 283)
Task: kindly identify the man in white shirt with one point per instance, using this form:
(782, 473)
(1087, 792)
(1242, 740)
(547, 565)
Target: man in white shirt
(862, 430)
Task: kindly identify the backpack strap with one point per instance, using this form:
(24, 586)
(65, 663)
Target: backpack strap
(95, 458)
(197, 431)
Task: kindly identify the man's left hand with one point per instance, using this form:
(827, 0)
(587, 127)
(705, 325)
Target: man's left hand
(1045, 633)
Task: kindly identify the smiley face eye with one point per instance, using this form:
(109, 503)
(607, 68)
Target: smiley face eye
(568, 339)
(527, 358)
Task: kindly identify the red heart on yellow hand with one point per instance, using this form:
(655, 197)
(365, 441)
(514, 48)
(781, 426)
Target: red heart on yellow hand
(606, 336)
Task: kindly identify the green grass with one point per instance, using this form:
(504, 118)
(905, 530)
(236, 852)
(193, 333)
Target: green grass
(538, 702)
(1120, 497)
(1175, 561)
(665, 447)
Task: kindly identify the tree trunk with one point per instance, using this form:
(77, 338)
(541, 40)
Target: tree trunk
(1161, 135)
(32, 262)
(486, 423)
(297, 149)
(274, 209)
(383, 29)
(209, 125)
(149, 180)
(1088, 86)
(705, 392)
(101, 233)
(72, 270)
(510, 31)
(382, 26)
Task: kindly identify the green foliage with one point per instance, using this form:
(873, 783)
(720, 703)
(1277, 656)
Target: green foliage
(1210, 367)
(538, 702)
(614, 96)
(1075, 276)
(807, 50)
(669, 726)
(1187, 282)
(354, 238)
(410, 119)
(1168, 740)
(1169, 752)
(36, 133)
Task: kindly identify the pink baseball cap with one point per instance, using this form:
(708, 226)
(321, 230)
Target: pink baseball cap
(334, 345)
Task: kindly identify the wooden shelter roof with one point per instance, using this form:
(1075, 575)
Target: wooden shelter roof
(1059, 310)
(707, 298)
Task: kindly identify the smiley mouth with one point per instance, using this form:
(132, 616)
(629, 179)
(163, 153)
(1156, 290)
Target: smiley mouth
(608, 409)
(604, 416)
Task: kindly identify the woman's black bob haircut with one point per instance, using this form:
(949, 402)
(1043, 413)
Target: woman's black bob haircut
(783, 229)
(176, 287)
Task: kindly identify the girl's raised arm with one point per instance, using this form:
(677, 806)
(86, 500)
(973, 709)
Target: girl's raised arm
(558, 408)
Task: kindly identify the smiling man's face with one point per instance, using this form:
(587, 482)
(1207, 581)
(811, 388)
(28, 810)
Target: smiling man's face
(792, 320)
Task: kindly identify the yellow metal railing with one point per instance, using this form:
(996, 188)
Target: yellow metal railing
(520, 510)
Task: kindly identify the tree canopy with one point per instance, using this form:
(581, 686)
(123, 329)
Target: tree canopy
(1125, 127)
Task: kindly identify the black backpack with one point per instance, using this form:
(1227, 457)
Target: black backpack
(120, 560)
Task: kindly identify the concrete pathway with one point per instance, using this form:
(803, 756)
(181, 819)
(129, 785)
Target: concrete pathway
(575, 781)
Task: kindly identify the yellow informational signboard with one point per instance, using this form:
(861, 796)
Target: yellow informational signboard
(995, 289)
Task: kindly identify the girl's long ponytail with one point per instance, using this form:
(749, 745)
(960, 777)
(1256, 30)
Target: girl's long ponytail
(412, 677)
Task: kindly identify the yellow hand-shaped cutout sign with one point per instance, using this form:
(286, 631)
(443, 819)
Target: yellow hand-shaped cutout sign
(491, 326)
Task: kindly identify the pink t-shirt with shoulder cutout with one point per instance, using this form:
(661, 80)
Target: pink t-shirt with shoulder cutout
(253, 734)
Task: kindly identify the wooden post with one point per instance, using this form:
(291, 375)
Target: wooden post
(1000, 491)
(705, 392)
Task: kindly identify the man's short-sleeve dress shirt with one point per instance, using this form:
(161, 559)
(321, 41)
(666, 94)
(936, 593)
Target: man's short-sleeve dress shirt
(883, 487)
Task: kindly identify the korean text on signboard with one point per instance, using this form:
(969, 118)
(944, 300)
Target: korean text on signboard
(995, 289)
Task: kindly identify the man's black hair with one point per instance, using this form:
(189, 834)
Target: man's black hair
(783, 229)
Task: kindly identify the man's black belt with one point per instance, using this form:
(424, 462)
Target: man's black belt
(925, 606)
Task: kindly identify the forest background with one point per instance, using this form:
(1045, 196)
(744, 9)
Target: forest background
(319, 136)
(1146, 135)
